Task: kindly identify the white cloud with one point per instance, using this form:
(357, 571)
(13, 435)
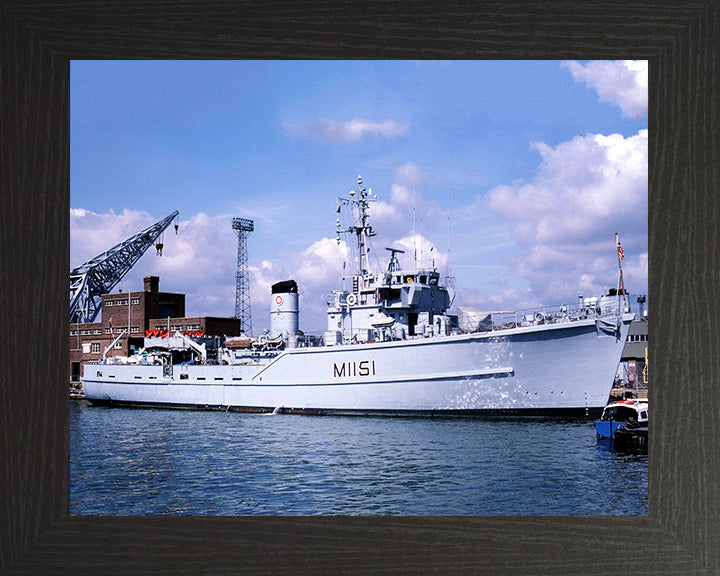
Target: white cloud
(622, 83)
(404, 190)
(406, 206)
(347, 132)
(320, 264)
(91, 233)
(421, 250)
(582, 186)
(384, 214)
(262, 277)
(564, 220)
(500, 299)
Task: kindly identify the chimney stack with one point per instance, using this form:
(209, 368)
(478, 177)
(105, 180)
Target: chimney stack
(151, 283)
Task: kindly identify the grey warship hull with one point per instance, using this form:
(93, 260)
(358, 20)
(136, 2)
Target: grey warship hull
(563, 369)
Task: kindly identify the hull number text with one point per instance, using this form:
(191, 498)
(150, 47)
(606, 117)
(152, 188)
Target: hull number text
(353, 368)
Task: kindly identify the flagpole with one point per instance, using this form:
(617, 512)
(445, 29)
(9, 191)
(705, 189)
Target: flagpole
(620, 256)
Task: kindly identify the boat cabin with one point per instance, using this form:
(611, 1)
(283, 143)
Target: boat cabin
(626, 411)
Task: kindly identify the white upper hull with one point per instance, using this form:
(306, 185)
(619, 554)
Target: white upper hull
(530, 370)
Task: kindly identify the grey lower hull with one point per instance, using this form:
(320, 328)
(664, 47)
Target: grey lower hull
(584, 413)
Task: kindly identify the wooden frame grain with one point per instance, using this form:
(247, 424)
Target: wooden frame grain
(681, 535)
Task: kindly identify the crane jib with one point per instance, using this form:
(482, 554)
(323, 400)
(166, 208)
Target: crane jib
(98, 276)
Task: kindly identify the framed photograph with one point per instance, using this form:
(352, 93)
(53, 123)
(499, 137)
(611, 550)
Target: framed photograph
(678, 535)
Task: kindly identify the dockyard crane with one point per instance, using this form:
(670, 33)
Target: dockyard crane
(99, 275)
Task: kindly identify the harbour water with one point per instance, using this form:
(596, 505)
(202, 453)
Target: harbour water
(170, 462)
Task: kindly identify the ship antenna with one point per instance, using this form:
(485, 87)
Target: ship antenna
(414, 240)
(361, 227)
(448, 244)
(422, 253)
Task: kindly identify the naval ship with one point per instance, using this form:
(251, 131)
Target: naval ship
(391, 347)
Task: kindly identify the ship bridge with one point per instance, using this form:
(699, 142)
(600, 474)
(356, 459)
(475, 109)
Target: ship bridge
(393, 305)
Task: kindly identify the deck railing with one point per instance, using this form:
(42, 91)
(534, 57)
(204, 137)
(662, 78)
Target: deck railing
(551, 315)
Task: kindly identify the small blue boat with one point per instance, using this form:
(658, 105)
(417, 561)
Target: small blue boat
(625, 415)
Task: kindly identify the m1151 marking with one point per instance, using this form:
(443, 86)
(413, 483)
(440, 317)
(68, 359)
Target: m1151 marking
(353, 368)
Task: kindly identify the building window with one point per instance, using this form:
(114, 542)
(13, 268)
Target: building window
(121, 302)
(109, 303)
(85, 331)
(97, 331)
(108, 330)
(135, 301)
(118, 345)
(193, 327)
(119, 330)
(73, 332)
(178, 327)
(135, 329)
(95, 348)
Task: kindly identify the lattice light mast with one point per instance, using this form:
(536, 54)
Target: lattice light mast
(244, 228)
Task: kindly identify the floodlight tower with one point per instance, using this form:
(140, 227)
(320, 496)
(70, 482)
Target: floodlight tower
(244, 228)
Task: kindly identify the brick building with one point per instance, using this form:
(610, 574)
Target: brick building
(137, 312)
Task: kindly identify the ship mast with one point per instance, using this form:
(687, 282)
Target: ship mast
(361, 227)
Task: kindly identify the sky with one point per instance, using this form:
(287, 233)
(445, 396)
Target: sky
(510, 177)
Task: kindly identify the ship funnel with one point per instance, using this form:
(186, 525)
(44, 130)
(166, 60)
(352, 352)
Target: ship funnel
(284, 312)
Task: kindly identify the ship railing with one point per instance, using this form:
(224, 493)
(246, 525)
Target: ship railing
(554, 314)
(492, 321)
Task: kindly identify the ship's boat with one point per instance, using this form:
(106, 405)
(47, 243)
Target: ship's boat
(391, 347)
(625, 421)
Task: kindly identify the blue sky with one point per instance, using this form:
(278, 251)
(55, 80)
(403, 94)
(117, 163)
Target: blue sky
(516, 174)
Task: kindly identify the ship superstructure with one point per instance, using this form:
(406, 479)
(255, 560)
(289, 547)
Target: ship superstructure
(393, 305)
(391, 347)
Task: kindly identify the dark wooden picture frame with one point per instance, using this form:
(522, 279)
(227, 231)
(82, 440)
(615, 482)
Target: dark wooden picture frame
(681, 535)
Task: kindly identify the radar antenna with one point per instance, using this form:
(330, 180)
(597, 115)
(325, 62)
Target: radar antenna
(394, 264)
(99, 275)
(361, 227)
